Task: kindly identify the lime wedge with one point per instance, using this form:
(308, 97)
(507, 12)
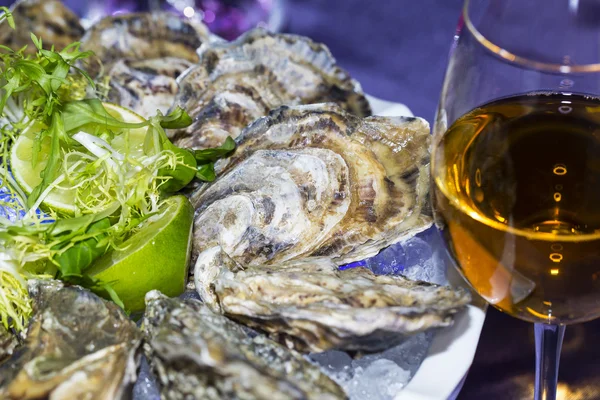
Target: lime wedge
(63, 199)
(156, 257)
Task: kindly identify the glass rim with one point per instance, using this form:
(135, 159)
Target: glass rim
(523, 61)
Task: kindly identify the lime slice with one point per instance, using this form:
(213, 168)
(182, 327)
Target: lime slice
(156, 257)
(63, 200)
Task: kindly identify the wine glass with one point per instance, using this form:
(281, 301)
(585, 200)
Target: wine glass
(516, 164)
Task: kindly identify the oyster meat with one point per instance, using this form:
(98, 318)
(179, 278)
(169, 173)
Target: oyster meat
(311, 305)
(198, 354)
(143, 36)
(8, 343)
(145, 86)
(50, 20)
(240, 81)
(315, 180)
(78, 346)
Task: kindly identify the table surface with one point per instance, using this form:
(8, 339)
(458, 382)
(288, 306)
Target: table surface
(398, 50)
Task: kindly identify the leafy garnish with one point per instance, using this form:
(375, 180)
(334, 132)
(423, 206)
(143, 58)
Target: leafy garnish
(206, 172)
(205, 159)
(14, 300)
(77, 114)
(56, 133)
(7, 15)
(182, 172)
(80, 255)
(87, 150)
(211, 155)
(177, 119)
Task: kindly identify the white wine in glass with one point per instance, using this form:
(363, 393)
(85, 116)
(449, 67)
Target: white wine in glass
(516, 165)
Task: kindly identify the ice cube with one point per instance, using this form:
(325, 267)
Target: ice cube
(426, 258)
(377, 376)
(380, 380)
(417, 251)
(410, 354)
(389, 261)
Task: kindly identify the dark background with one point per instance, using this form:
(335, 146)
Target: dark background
(398, 50)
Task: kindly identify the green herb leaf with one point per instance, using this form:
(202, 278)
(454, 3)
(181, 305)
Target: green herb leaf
(77, 258)
(206, 172)
(182, 174)
(80, 113)
(7, 15)
(177, 119)
(56, 131)
(212, 155)
(106, 287)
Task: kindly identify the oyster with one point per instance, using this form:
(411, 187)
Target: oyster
(316, 181)
(51, 20)
(240, 81)
(77, 346)
(145, 86)
(311, 305)
(143, 36)
(8, 343)
(201, 355)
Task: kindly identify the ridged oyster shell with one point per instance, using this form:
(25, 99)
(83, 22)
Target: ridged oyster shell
(240, 81)
(78, 346)
(145, 86)
(311, 305)
(201, 355)
(49, 20)
(317, 181)
(143, 36)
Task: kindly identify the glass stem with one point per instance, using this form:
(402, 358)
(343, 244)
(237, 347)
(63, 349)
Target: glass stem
(548, 342)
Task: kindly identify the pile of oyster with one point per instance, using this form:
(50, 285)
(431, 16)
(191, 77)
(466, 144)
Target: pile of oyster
(314, 183)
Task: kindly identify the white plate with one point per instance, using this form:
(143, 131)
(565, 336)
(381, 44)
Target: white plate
(451, 353)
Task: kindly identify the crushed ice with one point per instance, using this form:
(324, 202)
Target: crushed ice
(379, 376)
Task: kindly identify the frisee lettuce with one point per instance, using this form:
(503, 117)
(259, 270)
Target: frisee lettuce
(115, 190)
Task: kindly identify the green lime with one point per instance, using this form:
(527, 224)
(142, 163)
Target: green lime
(155, 257)
(62, 198)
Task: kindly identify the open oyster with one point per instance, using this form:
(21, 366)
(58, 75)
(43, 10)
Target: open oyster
(50, 20)
(145, 86)
(311, 305)
(201, 355)
(78, 346)
(316, 181)
(143, 36)
(240, 81)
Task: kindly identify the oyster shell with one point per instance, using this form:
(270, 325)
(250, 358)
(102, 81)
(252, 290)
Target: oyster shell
(8, 343)
(201, 355)
(311, 305)
(51, 20)
(240, 81)
(77, 346)
(143, 36)
(317, 181)
(145, 86)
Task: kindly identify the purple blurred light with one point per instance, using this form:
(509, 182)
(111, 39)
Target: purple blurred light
(226, 18)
